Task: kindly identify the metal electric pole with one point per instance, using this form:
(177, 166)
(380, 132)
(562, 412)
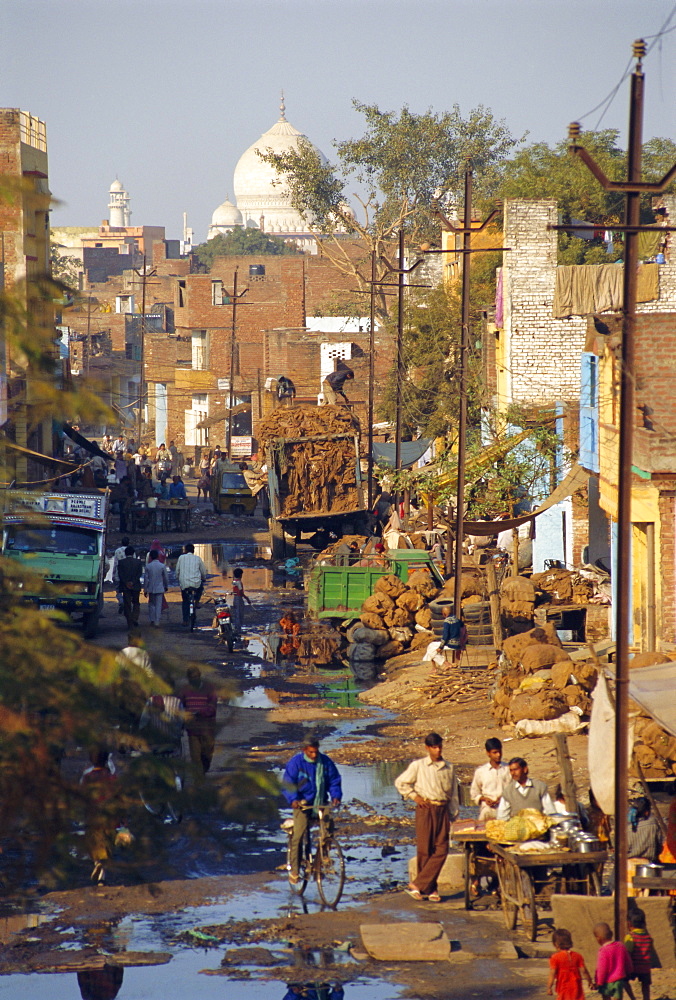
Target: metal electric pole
(372, 337)
(231, 399)
(142, 385)
(633, 189)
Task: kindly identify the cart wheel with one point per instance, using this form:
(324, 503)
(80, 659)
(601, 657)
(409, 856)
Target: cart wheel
(507, 889)
(529, 915)
(468, 876)
(594, 883)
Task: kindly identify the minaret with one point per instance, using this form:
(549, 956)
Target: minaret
(119, 214)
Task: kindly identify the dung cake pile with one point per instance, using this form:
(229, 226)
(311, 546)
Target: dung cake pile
(317, 475)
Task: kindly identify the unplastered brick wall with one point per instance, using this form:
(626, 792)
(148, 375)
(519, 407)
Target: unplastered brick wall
(543, 353)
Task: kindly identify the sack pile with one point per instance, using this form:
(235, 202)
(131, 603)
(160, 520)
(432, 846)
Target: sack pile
(538, 680)
(395, 618)
(517, 603)
(314, 476)
(654, 747)
(564, 586)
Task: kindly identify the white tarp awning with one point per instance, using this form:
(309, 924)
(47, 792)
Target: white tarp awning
(654, 688)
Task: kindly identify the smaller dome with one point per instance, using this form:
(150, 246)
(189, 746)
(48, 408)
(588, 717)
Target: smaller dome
(227, 214)
(117, 185)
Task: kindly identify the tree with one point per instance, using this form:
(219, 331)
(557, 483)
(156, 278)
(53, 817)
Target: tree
(64, 268)
(399, 162)
(241, 243)
(543, 171)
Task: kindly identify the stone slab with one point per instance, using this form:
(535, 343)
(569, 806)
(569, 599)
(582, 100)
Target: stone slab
(578, 914)
(452, 876)
(489, 948)
(406, 942)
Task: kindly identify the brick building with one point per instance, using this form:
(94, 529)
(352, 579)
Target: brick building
(24, 232)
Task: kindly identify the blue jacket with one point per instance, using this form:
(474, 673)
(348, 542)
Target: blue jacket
(299, 779)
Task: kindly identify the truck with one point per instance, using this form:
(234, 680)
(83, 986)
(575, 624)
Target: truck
(314, 476)
(339, 590)
(62, 538)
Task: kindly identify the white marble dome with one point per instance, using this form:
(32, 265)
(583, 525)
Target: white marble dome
(257, 186)
(226, 218)
(116, 186)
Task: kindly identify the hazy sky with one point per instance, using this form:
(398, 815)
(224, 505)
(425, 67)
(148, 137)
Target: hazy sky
(167, 95)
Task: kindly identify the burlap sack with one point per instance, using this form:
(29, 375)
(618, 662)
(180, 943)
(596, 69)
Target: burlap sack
(389, 649)
(371, 620)
(538, 655)
(422, 582)
(517, 588)
(561, 674)
(421, 640)
(558, 583)
(390, 585)
(398, 616)
(375, 636)
(649, 659)
(361, 651)
(423, 617)
(586, 675)
(544, 704)
(575, 695)
(659, 741)
(471, 584)
(652, 765)
(402, 635)
(410, 600)
(379, 604)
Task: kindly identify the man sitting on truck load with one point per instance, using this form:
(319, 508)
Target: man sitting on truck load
(333, 384)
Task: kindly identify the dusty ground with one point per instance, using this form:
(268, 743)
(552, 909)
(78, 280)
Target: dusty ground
(238, 943)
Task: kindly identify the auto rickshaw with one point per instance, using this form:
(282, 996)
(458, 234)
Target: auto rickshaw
(231, 495)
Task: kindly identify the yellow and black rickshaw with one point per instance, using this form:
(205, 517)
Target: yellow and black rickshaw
(230, 493)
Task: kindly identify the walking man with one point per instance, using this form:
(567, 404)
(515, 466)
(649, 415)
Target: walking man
(431, 783)
(191, 573)
(199, 699)
(155, 585)
(310, 780)
(129, 575)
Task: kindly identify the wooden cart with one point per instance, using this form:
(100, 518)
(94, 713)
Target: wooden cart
(479, 860)
(529, 879)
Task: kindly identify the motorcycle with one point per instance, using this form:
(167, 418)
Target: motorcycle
(223, 623)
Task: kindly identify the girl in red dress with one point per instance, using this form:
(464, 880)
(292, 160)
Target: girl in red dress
(567, 968)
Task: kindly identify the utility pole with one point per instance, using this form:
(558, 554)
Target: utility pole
(633, 189)
(466, 250)
(400, 354)
(141, 398)
(372, 334)
(235, 298)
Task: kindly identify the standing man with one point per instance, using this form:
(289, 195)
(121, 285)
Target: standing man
(119, 554)
(191, 572)
(333, 384)
(130, 575)
(310, 780)
(155, 586)
(523, 792)
(489, 781)
(286, 390)
(200, 701)
(431, 783)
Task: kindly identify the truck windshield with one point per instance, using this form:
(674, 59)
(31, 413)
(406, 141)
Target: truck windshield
(70, 541)
(233, 481)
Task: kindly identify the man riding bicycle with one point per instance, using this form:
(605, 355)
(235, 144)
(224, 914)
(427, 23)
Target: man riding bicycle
(192, 575)
(310, 780)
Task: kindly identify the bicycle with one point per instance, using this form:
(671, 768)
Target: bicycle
(161, 785)
(326, 863)
(193, 601)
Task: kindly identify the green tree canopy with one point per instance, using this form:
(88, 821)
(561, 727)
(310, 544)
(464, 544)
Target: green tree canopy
(243, 243)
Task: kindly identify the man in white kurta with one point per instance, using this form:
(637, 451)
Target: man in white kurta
(489, 781)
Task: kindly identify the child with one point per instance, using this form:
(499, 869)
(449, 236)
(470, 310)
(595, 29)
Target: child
(640, 945)
(238, 599)
(613, 966)
(567, 968)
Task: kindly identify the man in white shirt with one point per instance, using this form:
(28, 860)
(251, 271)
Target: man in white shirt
(191, 573)
(431, 783)
(523, 792)
(489, 781)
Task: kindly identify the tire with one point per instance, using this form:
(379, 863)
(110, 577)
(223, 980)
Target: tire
(441, 609)
(90, 623)
(509, 909)
(330, 872)
(305, 865)
(529, 914)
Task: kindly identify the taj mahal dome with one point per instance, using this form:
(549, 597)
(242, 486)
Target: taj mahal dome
(261, 200)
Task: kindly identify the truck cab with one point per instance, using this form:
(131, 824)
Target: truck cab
(60, 537)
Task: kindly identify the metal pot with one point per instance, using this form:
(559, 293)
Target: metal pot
(586, 844)
(648, 870)
(569, 824)
(559, 837)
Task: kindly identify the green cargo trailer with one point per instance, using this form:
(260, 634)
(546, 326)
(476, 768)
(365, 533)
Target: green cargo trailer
(339, 591)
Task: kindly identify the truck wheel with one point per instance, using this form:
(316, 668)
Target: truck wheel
(90, 622)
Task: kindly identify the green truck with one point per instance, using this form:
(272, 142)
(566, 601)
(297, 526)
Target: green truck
(338, 591)
(62, 538)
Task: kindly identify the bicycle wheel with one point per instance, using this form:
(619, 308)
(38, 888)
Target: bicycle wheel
(304, 866)
(330, 871)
